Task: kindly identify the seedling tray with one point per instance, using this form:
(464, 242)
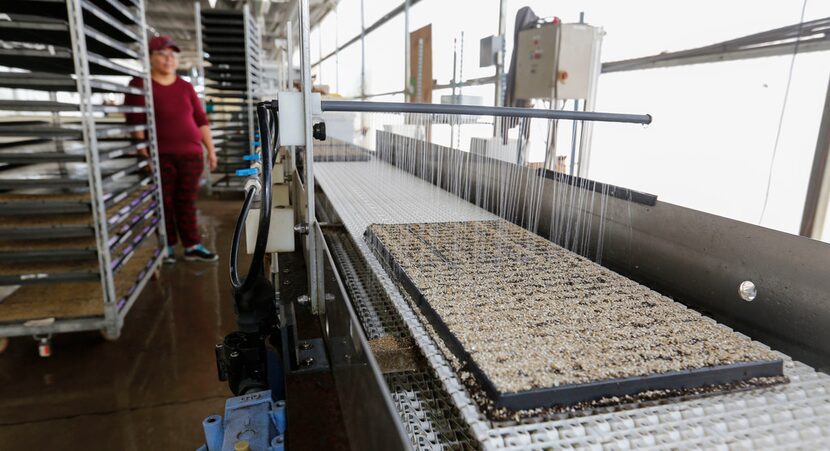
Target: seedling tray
(572, 393)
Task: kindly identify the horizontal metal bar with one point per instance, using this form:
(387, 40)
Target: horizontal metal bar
(804, 37)
(435, 86)
(45, 277)
(469, 82)
(61, 325)
(475, 110)
(673, 60)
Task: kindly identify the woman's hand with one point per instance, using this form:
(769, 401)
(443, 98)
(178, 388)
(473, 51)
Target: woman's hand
(212, 160)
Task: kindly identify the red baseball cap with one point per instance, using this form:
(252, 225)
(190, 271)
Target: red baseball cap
(163, 42)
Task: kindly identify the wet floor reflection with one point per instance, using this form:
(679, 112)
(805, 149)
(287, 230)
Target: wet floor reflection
(148, 390)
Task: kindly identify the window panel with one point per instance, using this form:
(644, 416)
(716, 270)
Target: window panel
(375, 9)
(328, 33)
(328, 71)
(349, 71)
(385, 55)
(348, 20)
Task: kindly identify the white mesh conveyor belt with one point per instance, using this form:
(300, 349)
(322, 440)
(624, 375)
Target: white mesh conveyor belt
(792, 415)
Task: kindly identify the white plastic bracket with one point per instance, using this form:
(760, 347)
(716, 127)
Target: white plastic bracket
(292, 125)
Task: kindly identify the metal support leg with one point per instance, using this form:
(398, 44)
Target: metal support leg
(311, 238)
(818, 190)
(83, 77)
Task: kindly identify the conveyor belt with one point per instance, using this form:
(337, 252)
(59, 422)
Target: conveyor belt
(793, 415)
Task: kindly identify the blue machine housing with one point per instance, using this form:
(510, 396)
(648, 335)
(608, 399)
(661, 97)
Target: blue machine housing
(254, 418)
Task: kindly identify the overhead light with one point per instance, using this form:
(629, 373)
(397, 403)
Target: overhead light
(212, 3)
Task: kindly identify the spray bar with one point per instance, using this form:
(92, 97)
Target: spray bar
(477, 110)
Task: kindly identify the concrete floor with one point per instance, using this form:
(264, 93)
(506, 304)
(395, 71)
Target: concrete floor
(148, 390)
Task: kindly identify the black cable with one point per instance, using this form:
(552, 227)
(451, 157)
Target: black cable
(255, 269)
(237, 236)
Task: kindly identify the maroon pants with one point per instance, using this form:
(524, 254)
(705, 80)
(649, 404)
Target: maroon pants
(180, 174)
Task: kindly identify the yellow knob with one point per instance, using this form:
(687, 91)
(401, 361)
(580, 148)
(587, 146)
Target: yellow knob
(242, 445)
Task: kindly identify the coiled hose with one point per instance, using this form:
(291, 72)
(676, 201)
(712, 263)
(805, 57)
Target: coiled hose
(255, 269)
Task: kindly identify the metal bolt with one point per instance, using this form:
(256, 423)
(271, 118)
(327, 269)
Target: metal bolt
(307, 362)
(234, 354)
(302, 228)
(303, 299)
(747, 291)
(305, 346)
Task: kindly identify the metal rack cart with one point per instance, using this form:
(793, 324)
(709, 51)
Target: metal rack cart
(231, 48)
(81, 221)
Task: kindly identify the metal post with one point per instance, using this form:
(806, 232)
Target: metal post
(305, 79)
(499, 100)
(362, 51)
(99, 214)
(336, 52)
(289, 38)
(590, 103)
(249, 72)
(200, 51)
(151, 123)
(407, 51)
(818, 189)
(200, 81)
(573, 140)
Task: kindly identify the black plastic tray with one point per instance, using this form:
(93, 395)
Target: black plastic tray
(57, 33)
(223, 40)
(44, 130)
(113, 193)
(572, 393)
(94, 16)
(40, 151)
(42, 81)
(48, 277)
(119, 10)
(51, 175)
(59, 61)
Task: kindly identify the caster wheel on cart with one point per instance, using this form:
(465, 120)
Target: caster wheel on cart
(4, 344)
(44, 345)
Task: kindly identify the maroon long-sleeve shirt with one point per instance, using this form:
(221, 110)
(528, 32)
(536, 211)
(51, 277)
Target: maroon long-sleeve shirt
(178, 113)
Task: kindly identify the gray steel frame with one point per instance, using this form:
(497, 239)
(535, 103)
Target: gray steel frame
(358, 379)
(779, 416)
(200, 71)
(314, 269)
(804, 37)
(113, 317)
(818, 189)
(252, 38)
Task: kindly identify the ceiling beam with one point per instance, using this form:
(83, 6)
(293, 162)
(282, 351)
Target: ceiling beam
(813, 36)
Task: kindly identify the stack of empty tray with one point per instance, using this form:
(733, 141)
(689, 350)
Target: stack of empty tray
(80, 208)
(231, 48)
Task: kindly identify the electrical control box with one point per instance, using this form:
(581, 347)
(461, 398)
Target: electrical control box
(557, 61)
(489, 49)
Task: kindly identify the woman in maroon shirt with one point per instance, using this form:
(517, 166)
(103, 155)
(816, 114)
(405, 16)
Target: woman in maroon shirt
(181, 129)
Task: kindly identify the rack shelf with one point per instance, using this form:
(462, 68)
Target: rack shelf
(231, 47)
(80, 209)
